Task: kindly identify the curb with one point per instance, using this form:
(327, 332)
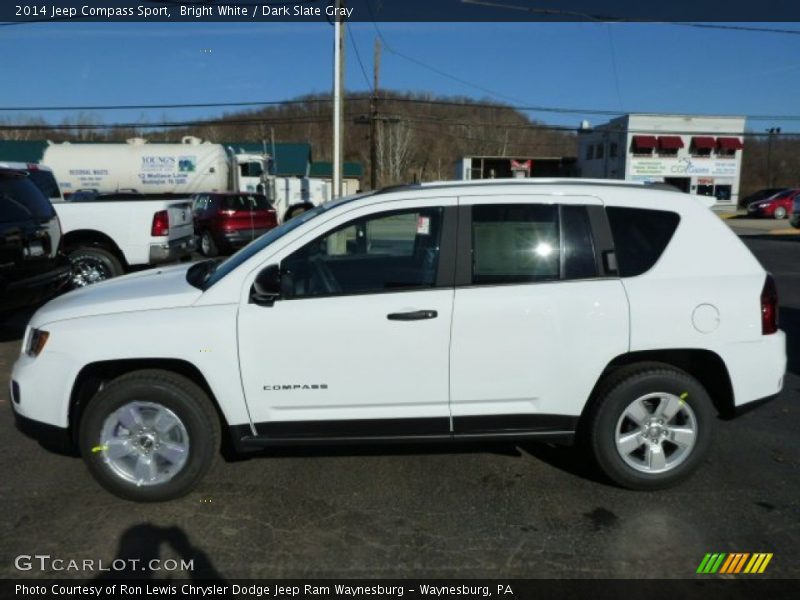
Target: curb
(791, 231)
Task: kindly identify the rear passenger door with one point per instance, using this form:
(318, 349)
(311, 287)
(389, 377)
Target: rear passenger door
(538, 312)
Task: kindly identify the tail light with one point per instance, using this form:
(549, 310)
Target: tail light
(769, 307)
(160, 224)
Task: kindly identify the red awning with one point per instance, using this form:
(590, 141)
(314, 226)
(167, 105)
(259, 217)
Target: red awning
(670, 142)
(725, 143)
(704, 142)
(644, 142)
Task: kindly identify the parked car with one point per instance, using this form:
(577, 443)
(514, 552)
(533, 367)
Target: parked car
(505, 310)
(759, 195)
(224, 222)
(778, 206)
(32, 268)
(105, 235)
(40, 175)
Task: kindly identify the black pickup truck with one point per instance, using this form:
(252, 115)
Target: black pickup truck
(32, 268)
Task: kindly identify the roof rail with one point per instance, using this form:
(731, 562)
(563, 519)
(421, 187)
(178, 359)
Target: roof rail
(527, 181)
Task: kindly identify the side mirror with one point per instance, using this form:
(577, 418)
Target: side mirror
(267, 286)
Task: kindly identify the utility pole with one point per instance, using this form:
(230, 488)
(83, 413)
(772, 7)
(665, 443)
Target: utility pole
(770, 134)
(373, 120)
(338, 77)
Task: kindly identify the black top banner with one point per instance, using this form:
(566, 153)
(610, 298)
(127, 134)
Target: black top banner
(398, 10)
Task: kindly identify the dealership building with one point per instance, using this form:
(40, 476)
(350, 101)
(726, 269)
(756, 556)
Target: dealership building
(697, 154)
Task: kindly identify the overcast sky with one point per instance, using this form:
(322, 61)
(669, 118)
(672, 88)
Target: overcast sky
(627, 67)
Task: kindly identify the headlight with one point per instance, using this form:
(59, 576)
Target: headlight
(36, 341)
(763, 205)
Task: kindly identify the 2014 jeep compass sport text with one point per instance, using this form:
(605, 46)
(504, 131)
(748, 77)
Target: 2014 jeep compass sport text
(617, 315)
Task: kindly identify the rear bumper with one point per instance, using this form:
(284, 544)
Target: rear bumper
(172, 250)
(754, 380)
(242, 237)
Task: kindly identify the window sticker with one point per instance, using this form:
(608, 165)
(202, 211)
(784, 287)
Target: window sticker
(423, 225)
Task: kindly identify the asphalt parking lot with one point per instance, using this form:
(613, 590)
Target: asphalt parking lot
(470, 511)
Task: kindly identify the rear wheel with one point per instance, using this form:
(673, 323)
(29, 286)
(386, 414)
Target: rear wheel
(207, 245)
(651, 426)
(92, 264)
(149, 436)
(780, 213)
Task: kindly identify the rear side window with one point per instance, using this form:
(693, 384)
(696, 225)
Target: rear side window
(245, 202)
(515, 243)
(640, 237)
(21, 200)
(45, 181)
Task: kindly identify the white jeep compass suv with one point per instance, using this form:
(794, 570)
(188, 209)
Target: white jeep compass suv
(615, 314)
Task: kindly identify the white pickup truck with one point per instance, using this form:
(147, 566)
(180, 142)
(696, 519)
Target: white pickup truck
(111, 233)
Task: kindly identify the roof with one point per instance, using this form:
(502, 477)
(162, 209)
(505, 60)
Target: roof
(289, 159)
(350, 170)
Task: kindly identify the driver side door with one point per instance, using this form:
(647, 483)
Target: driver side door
(357, 344)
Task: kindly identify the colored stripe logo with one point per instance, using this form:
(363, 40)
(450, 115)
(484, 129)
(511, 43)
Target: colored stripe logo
(734, 563)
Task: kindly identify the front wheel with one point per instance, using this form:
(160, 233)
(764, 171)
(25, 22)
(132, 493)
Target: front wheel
(149, 436)
(92, 264)
(651, 426)
(780, 213)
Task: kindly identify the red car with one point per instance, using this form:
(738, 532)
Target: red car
(225, 222)
(778, 206)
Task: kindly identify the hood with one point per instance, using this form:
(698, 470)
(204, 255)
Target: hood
(147, 290)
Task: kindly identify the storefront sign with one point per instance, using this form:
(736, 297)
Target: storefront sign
(685, 166)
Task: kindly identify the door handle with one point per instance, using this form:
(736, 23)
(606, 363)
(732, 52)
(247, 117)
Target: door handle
(416, 315)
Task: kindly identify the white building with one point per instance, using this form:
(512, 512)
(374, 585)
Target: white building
(697, 154)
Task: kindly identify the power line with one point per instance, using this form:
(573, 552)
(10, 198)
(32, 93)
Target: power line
(358, 56)
(389, 100)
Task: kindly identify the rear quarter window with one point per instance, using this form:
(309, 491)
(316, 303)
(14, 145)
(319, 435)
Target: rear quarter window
(640, 237)
(20, 200)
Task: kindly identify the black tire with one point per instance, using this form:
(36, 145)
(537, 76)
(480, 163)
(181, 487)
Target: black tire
(184, 399)
(621, 390)
(795, 221)
(208, 247)
(92, 264)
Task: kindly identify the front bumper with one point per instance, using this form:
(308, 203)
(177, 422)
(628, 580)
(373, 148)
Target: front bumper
(172, 250)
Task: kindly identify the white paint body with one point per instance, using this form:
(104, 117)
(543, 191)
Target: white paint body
(128, 223)
(535, 348)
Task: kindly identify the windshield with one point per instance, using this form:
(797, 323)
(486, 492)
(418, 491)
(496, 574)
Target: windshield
(217, 271)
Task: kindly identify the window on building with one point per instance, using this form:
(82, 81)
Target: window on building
(642, 145)
(613, 149)
(515, 243)
(600, 150)
(701, 146)
(705, 190)
(727, 146)
(668, 145)
(723, 192)
(589, 151)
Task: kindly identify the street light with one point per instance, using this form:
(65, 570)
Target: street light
(771, 132)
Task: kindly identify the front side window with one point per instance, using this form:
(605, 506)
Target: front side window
(379, 253)
(515, 243)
